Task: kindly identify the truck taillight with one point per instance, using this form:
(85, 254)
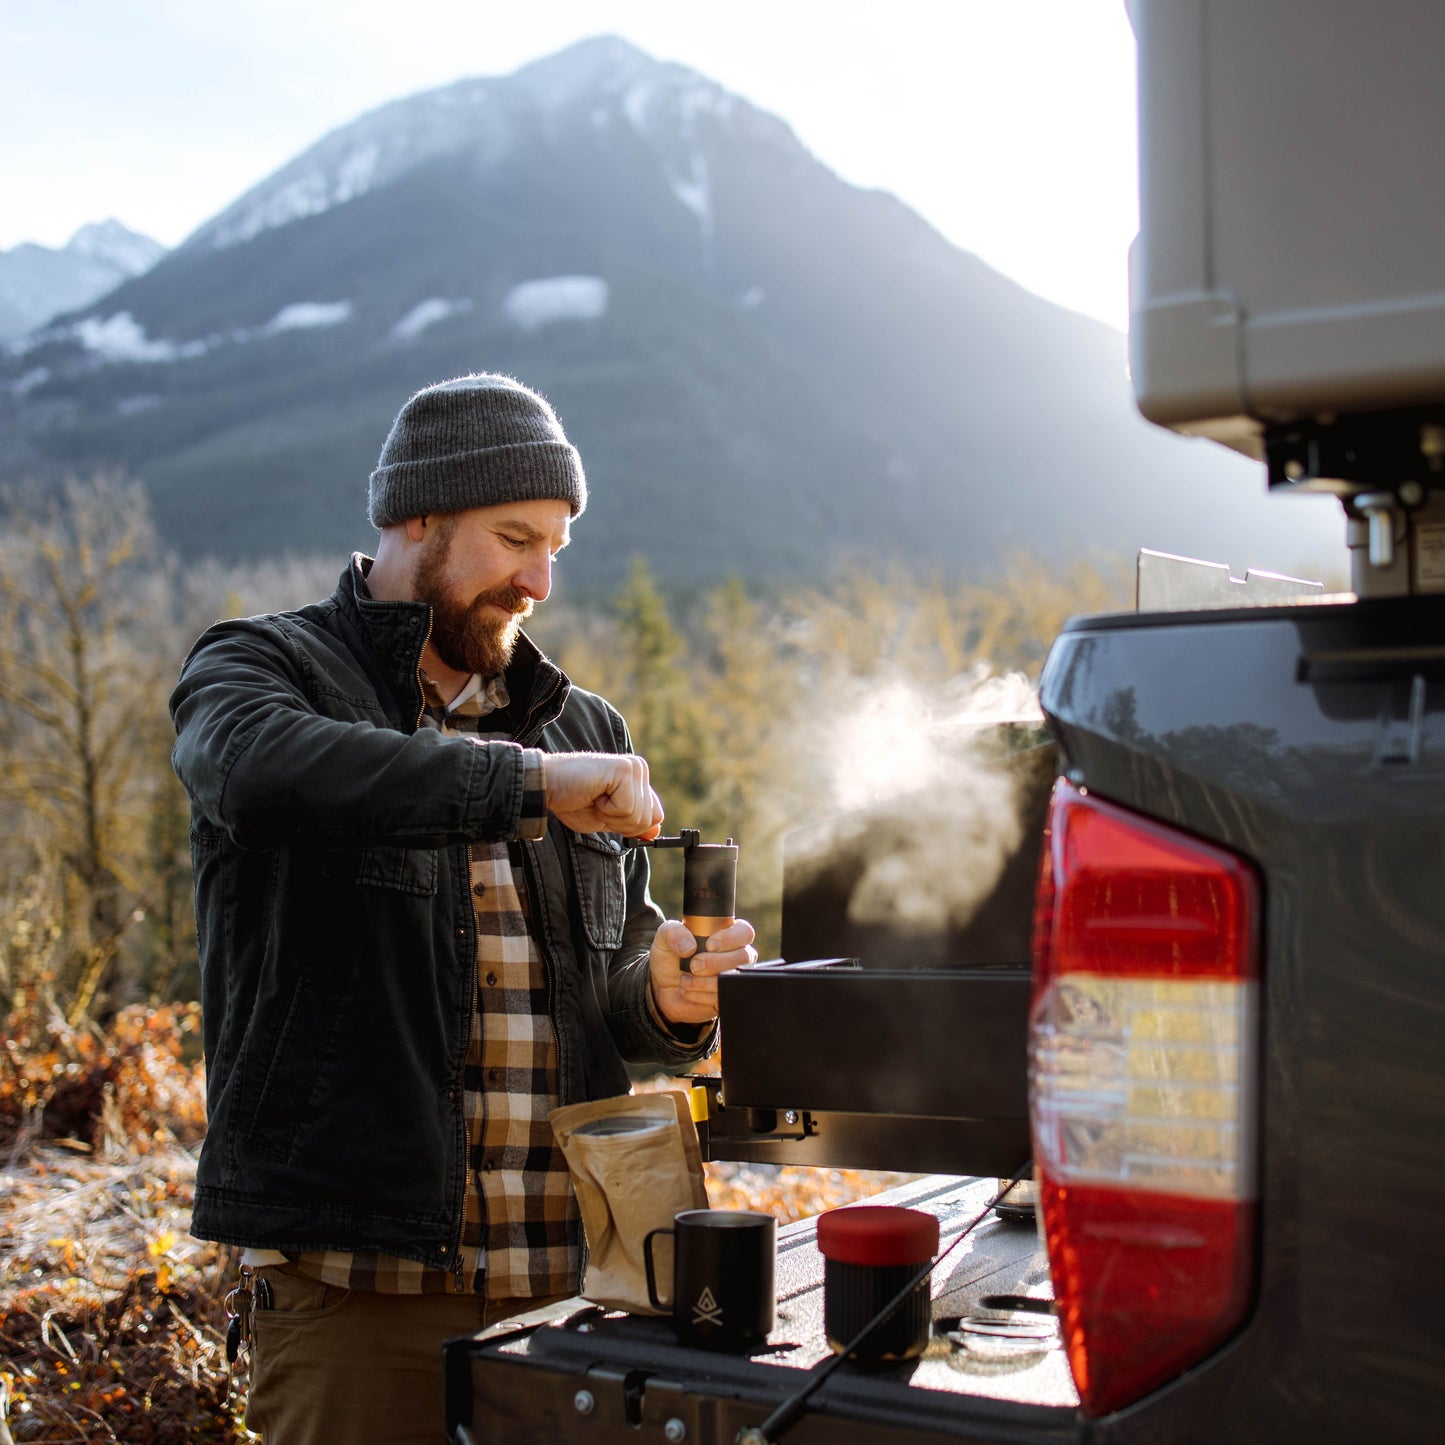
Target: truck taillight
(1143, 1036)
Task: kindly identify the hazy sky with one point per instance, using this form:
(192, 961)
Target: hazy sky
(1009, 124)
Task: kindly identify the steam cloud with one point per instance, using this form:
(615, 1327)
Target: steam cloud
(930, 804)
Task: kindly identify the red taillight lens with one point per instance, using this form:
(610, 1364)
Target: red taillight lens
(1141, 1092)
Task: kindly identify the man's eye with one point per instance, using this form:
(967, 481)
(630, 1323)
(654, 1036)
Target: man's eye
(516, 543)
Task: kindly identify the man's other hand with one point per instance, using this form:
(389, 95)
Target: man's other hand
(602, 793)
(691, 998)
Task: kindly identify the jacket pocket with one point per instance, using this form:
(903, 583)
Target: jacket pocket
(404, 870)
(301, 1055)
(209, 881)
(601, 892)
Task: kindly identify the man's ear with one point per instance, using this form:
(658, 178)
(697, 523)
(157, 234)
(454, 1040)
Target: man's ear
(416, 528)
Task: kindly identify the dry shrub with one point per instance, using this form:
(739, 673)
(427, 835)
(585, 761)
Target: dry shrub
(111, 1314)
(109, 1310)
(790, 1191)
(133, 1090)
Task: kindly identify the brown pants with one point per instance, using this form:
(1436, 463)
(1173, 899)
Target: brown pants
(333, 1366)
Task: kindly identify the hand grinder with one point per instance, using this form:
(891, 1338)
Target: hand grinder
(709, 883)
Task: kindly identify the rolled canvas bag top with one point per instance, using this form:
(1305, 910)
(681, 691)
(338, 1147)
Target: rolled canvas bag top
(635, 1164)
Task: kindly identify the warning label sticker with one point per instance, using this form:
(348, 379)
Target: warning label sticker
(1430, 556)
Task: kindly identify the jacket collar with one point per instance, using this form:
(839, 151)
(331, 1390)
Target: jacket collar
(397, 632)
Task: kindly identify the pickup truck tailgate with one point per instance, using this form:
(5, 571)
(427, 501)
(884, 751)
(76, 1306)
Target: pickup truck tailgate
(586, 1375)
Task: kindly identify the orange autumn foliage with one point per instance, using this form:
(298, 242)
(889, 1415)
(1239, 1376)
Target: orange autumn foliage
(111, 1319)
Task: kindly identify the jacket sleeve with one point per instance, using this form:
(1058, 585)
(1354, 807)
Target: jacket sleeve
(260, 762)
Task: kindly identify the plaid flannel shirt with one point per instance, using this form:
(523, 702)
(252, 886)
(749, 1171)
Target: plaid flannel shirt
(519, 1223)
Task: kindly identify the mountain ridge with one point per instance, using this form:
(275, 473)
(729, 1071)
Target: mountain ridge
(766, 368)
(38, 282)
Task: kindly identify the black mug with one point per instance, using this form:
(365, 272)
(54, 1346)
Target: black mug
(722, 1276)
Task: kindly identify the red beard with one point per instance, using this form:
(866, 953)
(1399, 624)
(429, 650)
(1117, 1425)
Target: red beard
(468, 637)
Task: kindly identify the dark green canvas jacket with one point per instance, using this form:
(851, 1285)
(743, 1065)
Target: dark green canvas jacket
(335, 927)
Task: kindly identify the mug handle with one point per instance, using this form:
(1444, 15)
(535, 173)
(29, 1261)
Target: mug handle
(657, 1304)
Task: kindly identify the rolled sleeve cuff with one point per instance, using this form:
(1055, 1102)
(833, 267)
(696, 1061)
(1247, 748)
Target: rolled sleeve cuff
(688, 1036)
(532, 820)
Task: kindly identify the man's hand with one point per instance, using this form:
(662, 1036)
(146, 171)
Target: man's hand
(602, 793)
(691, 998)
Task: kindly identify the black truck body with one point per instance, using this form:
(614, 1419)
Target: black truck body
(1310, 740)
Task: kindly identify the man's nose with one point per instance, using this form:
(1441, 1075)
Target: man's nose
(534, 577)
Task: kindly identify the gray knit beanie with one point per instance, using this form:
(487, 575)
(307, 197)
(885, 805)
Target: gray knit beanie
(473, 442)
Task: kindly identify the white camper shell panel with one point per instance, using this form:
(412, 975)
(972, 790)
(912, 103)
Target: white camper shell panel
(1292, 196)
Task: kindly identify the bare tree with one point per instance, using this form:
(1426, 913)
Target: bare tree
(85, 656)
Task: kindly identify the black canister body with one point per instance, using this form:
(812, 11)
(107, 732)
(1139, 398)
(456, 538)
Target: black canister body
(854, 1293)
(872, 1256)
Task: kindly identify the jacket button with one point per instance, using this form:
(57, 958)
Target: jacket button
(451, 1096)
(461, 930)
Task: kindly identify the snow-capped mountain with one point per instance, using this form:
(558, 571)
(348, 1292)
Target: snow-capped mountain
(600, 83)
(37, 282)
(768, 371)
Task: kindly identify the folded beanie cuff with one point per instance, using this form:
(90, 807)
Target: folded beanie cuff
(527, 471)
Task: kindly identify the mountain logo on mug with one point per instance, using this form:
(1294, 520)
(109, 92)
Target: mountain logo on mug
(707, 1311)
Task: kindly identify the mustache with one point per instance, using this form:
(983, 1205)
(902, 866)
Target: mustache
(510, 598)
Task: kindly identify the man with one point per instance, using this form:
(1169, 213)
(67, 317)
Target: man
(419, 932)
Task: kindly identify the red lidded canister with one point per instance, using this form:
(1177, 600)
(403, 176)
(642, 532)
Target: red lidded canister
(870, 1253)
